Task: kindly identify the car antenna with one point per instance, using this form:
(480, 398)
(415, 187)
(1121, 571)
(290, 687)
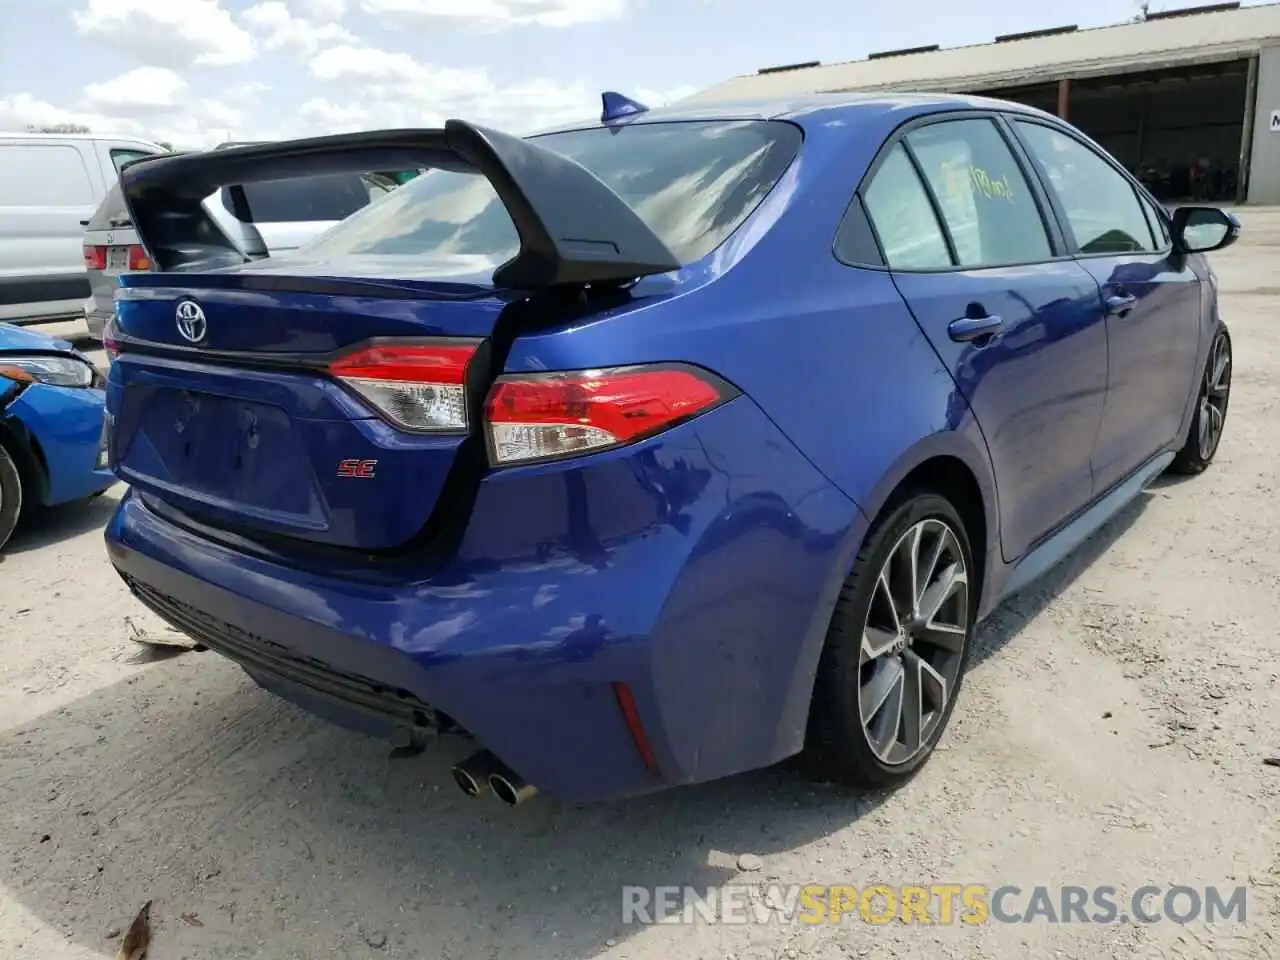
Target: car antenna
(616, 107)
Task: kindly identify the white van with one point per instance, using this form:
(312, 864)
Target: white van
(50, 186)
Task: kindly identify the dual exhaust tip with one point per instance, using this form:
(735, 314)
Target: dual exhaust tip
(482, 772)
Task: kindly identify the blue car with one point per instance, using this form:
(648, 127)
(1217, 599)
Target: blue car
(659, 448)
(51, 417)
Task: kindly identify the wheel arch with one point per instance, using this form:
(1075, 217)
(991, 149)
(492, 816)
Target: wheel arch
(951, 465)
(24, 450)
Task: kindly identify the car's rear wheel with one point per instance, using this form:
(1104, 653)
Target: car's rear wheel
(897, 647)
(10, 496)
(1210, 418)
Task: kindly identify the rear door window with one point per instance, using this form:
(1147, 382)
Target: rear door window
(692, 182)
(301, 200)
(1101, 205)
(903, 217)
(985, 201)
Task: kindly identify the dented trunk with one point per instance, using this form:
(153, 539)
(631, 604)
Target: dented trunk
(276, 422)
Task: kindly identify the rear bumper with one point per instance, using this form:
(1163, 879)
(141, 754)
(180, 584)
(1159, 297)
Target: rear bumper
(699, 568)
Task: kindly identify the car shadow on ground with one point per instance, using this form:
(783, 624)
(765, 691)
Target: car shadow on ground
(49, 525)
(234, 806)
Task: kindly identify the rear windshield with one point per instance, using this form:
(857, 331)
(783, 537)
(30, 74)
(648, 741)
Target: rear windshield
(305, 199)
(692, 182)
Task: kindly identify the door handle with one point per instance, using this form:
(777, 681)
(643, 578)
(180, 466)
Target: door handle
(1120, 304)
(967, 329)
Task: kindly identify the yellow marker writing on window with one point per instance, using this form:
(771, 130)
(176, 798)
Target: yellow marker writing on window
(993, 189)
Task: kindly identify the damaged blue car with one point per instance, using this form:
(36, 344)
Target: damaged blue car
(51, 416)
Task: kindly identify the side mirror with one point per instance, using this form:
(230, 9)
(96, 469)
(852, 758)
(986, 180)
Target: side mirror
(1203, 229)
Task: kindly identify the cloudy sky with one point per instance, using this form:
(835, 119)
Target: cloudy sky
(195, 72)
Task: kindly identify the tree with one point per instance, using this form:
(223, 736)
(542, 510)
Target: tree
(58, 128)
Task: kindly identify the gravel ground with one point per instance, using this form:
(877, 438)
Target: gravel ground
(1112, 731)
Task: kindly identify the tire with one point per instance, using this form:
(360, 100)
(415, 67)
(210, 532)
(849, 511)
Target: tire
(842, 744)
(10, 496)
(1210, 418)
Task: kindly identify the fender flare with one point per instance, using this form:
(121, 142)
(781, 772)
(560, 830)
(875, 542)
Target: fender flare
(968, 447)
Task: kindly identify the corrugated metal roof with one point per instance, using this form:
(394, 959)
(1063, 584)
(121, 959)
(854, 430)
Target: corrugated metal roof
(1196, 38)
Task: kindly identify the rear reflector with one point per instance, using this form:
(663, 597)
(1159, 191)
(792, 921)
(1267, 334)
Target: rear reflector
(548, 416)
(631, 714)
(419, 387)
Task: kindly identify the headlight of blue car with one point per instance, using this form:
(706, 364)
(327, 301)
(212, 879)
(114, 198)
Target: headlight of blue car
(56, 371)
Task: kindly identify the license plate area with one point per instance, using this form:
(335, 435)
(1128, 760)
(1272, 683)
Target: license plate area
(117, 259)
(231, 451)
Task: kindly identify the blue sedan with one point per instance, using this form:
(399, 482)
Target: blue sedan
(51, 411)
(658, 448)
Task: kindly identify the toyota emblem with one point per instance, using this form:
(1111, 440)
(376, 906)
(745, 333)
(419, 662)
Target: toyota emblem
(191, 321)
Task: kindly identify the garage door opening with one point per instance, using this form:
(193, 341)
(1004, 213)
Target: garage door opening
(1179, 130)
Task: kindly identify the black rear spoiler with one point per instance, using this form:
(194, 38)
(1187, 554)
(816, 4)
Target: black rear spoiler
(573, 228)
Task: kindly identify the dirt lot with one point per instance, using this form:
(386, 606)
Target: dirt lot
(1112, 732)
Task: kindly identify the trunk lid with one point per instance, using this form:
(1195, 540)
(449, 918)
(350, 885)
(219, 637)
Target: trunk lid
(327, 395)
(249, 429)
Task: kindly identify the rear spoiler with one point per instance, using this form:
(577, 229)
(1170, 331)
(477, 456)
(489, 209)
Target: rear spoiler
(573, 228)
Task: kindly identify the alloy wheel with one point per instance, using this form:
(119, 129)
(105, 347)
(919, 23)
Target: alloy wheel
(913, 641)
(1214, 394)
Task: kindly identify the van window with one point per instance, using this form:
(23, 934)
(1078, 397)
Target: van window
(43, 175)
(120, 156)
(303, 200)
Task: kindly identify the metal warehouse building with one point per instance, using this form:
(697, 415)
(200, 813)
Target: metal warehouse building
(1189, 100)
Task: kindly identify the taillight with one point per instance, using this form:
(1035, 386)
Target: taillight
(109, 341)
(138, 259)
(420, 387)
(547, 416)
(95, 258)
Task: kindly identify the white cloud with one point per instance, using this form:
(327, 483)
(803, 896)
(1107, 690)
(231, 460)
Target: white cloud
(21, 110)
(168, 33)
(149, 102)
(387, 89)
(324, 9)
(145, 91)
(281, 30)
(496, 14)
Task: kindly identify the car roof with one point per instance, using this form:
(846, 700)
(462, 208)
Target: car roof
(107, 137)
(798, 108)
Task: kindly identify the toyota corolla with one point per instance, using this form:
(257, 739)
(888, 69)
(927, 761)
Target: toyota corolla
(659, 448)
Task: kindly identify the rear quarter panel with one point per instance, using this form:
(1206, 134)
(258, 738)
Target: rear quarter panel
(829, 352)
